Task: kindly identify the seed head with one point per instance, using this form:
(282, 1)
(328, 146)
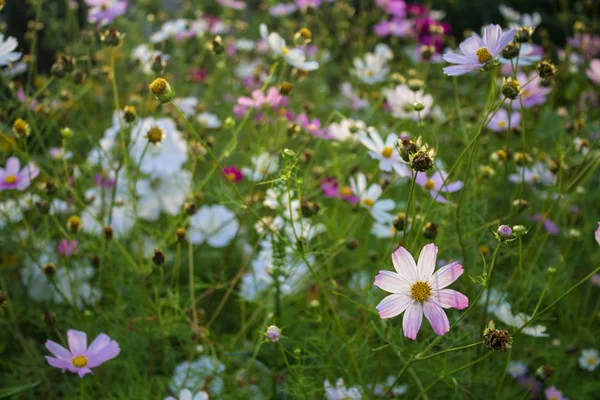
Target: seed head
(21, 128)
(511, 88)
(546, 69)
(496, 339)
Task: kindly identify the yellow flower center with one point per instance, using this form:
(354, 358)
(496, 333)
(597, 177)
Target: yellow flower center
(80, 361)
(591, 361)
(231, 176)
(104, 7)
(501, 124)
(387, 152)
(370, 73)
(346, 191)
(420, 291)
(155, 135)
(312, 127)
(10, 179)
(285, 50)
(368, 202)
(429, 185)
(483, 55)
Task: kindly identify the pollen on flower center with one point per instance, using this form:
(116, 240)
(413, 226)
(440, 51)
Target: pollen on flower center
(387, 152)
(346, 191)
(104, 7)
(285, 50)
(591, 361)
(80, 361)
(370, 73)
(429, 184)
(312, 127)
(420, 291)
(483, 55)
(368, 202)
(231, 176)
(10, 179)
(501, 124)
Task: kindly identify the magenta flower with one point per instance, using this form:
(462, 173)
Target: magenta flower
(104, 12)
(272, 98)
(104, 181)
(331, 188)
(419, 291)
(79, 358)
(313, 126)
(67, 248)
(13, 177)
(233, 173)
(434, 185)
(478, 50)
(549, 226)
(552, 393)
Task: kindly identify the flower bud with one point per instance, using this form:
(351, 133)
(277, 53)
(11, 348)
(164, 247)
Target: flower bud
(74, 223)
(303, 37)
(158, 64)
(399, 221)
(421, 161)
(285, 88)
(158, 258)
(111, 37)
(289, 154)
(520, 205)
(108, 232)
(579, 27)
(523, 34)
(415, 84)
(273, 333)
(504, 232)
(511, 51)
(546, 69)
(180, 232)
(522, 158)
(129, 113)
(544, 372)
(49, 269)
(190, 208)
(418, 106)
(352, 244)
(95, 261)
(66, 133)
(397, 78)
(511, 88)
(309, 208)
(426, 52)
(430, 230)
(216, 45)
(21, 128)
(407, 148)
(574, 234)
(161, 89)
(228, 123)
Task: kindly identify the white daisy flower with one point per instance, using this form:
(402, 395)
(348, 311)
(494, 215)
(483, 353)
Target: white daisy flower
(402, 102)
(216, 225)
(369, 198)
(263, 165)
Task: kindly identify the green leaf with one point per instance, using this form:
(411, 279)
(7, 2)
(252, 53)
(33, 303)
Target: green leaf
(4, 393)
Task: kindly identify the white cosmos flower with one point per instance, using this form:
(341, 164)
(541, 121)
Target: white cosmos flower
(208, 120)
(504, 314)
(385, 152)
(187, 105)
(369, 198)
(341, 392)
(263, 165)
(347, 129)
(7, 53)
(295, 57)
(589, 359)
(10, 213)
(216, 224)
(517, 369)
(169, 30)
(383, 230)
(373, 68)
(145, 55)
(162, 159)
(166, 194)
(402, 100)
(205, 371)
(245, 44)
(186, 394)
(100, 199)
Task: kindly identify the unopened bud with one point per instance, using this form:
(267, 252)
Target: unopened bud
(161, 89)
(74, 223)
(111, 37)
(511, 88)
(285, 88)
(158, 258)
(180, 232)
(546, 69)
(519, 230)
(523, 34)
(129, 113)
(21, 128)
(108, 232)
(430, 230)
(273, 334)
(511, 51)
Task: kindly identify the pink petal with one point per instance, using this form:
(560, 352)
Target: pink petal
(101, 341)
(393, 305)
(83, 371)
(437, 318)
(391, 282)
(405, 264)
(597, 233)
(446, 275)
(58, 350)
(77, 342)
(426, 262)
(411, 323)
(109, 352)
(58, 363)
(12, 166)
(449, 298)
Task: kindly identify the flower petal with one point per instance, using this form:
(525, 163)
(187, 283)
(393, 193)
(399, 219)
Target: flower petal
(457, 70)
(449, 298)
(77, 342)
(426, 262)
(405, 264)
(393, 305)
(437, 318)
(58, 363)
(58, 350)
(413, 317)
(83, 371)
(12, 166)
(446, 275)
(391, 282)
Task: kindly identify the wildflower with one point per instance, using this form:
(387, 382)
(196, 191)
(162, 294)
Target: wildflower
(374, 67)
(340, 392)
(104, 12)
(166, 194)
(331, 188)
(430, 230)
(111, 37)
(593, 72)
(546, 69)
(511, 88)
(381, 389)
(385, 152)
(264, 164)
(205, 372)
(12, 177)
(21, 128)
(233, 173)
(552, 393)
(534, 93)
(7, 53)
(504, 232)
(530, 384)
(186, 394)
(80, 358)
(216, 224)
(504, 313)
(537, 174)
(422, 160)
(398, 27)
(161, 89)
(169, 30)
(295, 57)
(369, 198)
(282, 9)
(499, 121)
(313, 126)
(517, 369)
(435, 185)
(589, 359)
(518, 19)
(496, 339)
(273, 334)
(129, 113)
(402, 101)
(233, 4)
(208, 120)
(149, 59)
(477, 50)
(346, 129)
(597, 233)
(523, 34)
(67, 248)
(419, 291)
(549, 225)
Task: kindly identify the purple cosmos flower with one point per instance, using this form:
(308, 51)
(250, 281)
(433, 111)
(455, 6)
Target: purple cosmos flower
(104, 12)
(313, 126)
(233, 4)
(398, 27)
(12, 177)
(552, 393)
(419, 291)
(434, 185)
(549, 226)
(394, 7)
(104, 181)
(304, 4)
(431, 32)
(530, 383)
(67, 248)
(80, 358)
(593, 72)
(282, 9)
(499, 121)
(537, 174)
(478, 50)
(331, 188)
(533, 93)
(597, 233)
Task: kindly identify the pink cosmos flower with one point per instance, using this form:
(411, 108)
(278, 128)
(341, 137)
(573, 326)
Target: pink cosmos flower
(533, 93)
(593, 72)
(552, 393)
(233, 173)
(272, 98)
(394, 7)
(67, 248)
(597, 233)
(419, 291)
(80, 358)
(549, 226)
(104, 12)
(282, 9)
(331, 188)
(197, 75)
(233, 4)
(397, 27)
(434, 185)
(304, 4)
(313, 126)
(499, 121)
(13, 177)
